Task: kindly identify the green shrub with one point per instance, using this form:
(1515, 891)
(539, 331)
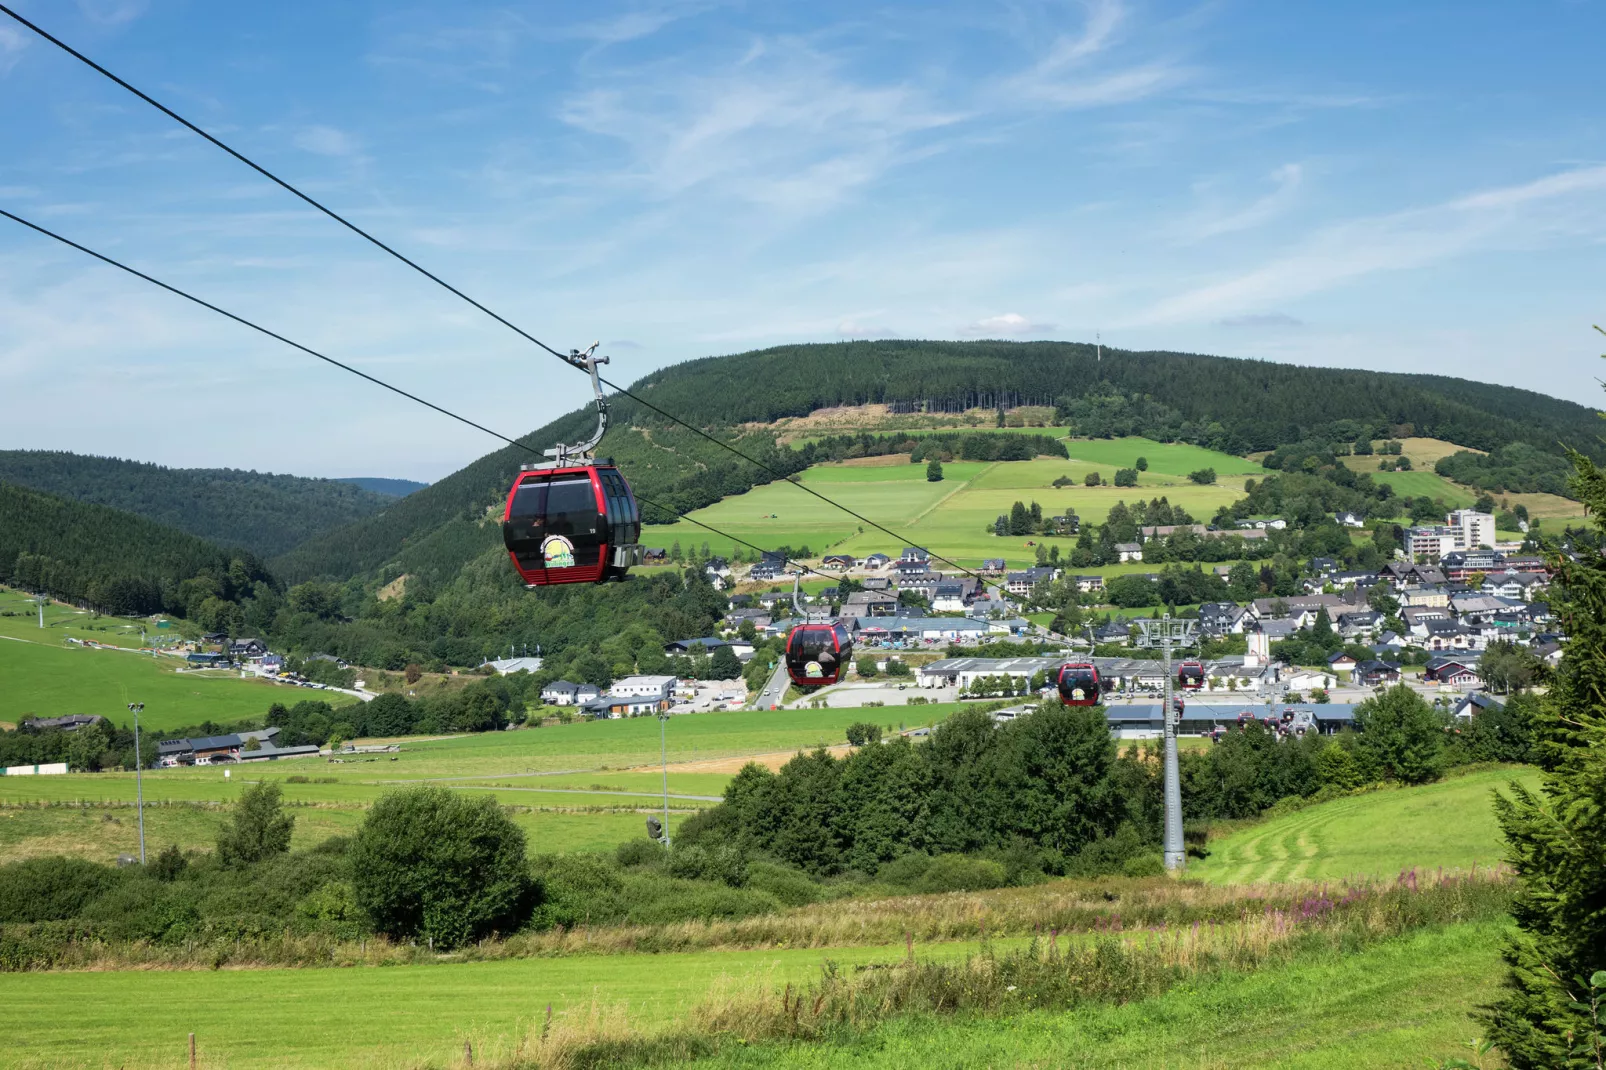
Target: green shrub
(724, 863)
(959, 873)
(862, 733)
(640, 852)
(52, 889)
(437, 865)
(260, 827)
(904, 871)
(790, 887)
(1147, 865)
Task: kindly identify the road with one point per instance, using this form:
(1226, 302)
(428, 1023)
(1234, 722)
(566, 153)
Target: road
(774, 688)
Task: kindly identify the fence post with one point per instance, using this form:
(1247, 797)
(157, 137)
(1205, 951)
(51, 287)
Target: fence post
(468, 1053)
(909, 946)
(192, 1051)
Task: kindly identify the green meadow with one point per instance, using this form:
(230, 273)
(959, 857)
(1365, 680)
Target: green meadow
(411, 1016)
(954, 517)
(46, 679)
(1376, 834)
(1406, 1002)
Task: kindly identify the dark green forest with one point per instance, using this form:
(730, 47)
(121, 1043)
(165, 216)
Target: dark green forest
(261, 512)
(119, 562)
(1518, 468)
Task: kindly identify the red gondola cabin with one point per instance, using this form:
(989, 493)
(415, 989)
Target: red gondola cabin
(1191, 675)
(818, 654)
(572, 524)
(1079, 684)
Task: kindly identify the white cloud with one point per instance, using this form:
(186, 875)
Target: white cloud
(1008, 325)
(12, 42)
(784, 127)
(1262, 320)
(325, 141)
(111, 12)
(1066, 77)
(1286, 181)
(853, 329)
(1512, 216)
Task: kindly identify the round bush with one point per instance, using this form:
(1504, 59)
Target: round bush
(956, 873)
(52, 889)
(435, 865)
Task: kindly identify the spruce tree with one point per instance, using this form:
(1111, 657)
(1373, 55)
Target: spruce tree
(1557, 836)
(934, 470)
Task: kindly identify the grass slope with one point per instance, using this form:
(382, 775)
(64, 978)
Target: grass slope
(50, 681)
(1396, 1004)
(1377, 834)
(410, 1016)
(101, 833)
(1399, 1004)
(954, 517)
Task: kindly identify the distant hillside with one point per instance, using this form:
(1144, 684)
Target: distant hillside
(259, 511)
(390, 488)
(1238, 406)
(119, 562)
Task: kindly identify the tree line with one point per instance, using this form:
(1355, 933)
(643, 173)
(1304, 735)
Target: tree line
(120, 563)
(261, 512)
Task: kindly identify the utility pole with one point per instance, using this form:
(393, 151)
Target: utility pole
(43, 598)
(663, 751)
(139, 780)
(1167, 632)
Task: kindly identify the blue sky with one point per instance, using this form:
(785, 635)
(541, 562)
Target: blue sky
(1400, 186)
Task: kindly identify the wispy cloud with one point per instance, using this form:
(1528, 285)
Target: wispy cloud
(12, 42)
(784, 127)
(325, 141)
(853, 329)
(1008, 325)
(1066, 76)
(1262, 321)
(1285, 181)
(111, 12)
(1341, 253)
(632, 25)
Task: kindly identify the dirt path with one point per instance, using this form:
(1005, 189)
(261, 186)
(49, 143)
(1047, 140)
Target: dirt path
(771, 760)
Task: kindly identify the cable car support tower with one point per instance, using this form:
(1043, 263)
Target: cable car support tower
(1166, 633)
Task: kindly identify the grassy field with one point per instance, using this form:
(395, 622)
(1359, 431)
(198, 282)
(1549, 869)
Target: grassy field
(1173, 458)
(1400, 1004)
(1395, 1004)
(101, 833)
(411, 1016)
(954, 517)
(1377, 834)
(50, 680)
(19, 616)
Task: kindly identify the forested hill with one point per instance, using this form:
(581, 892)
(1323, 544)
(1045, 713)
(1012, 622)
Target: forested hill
(1230, 404)
(261, 512)
(1258, 404)
(122, 563)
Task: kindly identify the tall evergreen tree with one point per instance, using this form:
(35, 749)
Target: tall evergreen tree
(1557, 836)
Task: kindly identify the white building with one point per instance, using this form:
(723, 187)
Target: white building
(1473, 529)
(643, 687)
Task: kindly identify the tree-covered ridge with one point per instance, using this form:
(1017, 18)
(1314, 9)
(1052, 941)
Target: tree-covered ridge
(262, 512)
(119, 562)
(1237, 405)
(1228, 404)
(1518, 469)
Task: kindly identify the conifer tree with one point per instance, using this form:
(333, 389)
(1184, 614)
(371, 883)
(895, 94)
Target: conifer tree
(1557, 836)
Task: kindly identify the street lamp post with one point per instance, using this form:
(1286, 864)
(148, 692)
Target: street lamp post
(139, 779)
(663, 751)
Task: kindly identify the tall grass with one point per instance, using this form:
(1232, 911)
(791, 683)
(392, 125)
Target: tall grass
(1116, 965)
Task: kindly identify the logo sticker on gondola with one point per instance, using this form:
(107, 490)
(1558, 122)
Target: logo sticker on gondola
(813, 670)
(1078, 694)
(557, 551)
